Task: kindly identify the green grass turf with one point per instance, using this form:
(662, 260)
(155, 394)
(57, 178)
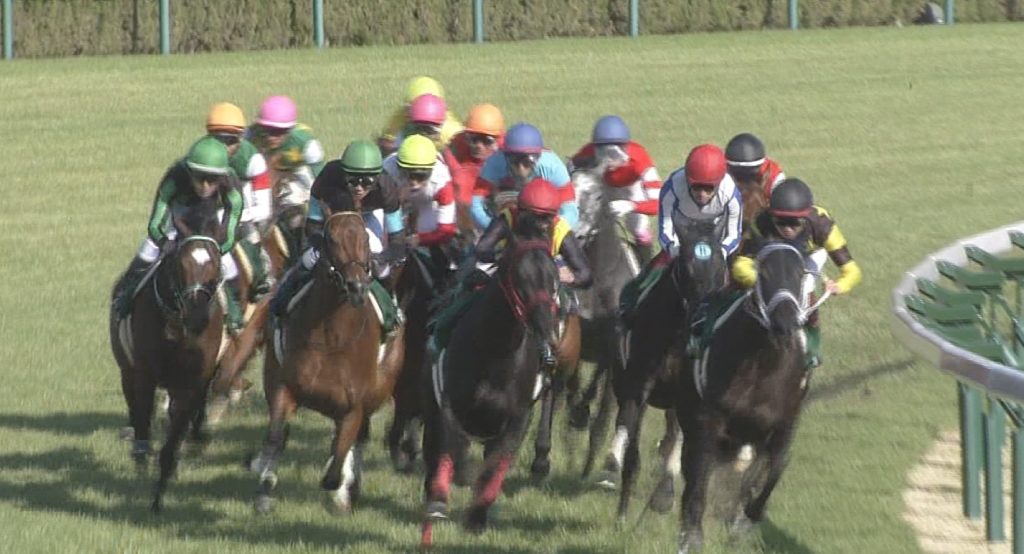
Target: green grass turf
(911, 137)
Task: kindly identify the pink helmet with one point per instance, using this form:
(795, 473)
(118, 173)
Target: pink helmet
(427, 108)
(279, 112)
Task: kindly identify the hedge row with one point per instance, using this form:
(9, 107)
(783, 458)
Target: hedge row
(77, 27)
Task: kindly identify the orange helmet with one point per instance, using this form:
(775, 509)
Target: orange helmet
(225, 117)
(485, 119)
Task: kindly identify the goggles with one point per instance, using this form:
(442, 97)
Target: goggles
(428, 129)
(519, 158)
(417, 175)
(361, 181)
(227, 139)
(788, 222)
(479, 138)
(274, 131)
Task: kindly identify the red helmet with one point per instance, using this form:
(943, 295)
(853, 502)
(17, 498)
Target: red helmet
(705, 165)
(540, 196)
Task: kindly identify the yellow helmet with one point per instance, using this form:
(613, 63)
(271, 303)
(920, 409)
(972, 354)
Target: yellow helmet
(417, 152)
(225, 117)
(423, 85)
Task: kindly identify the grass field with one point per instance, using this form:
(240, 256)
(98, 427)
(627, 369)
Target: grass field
(911, 137)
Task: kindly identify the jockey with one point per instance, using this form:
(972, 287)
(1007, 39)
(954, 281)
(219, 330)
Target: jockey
(748, 165)
(203, 174)
(418, 172)
(287, 145)
(485, 129)
(388, 140)
(226, 123)
(627, 169)
(792, 216)
(350, 183)
(427, 114)
(699, 191)
(523, 159)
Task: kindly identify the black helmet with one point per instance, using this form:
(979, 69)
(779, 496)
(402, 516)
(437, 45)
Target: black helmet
(791, 198)
(744, 151)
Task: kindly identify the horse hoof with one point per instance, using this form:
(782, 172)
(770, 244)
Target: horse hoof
(663, 498)
(157, 506)
(126, 433)
(437, 510)
(741, 526)
(579, 417)
(263, 505)
(216, 410)
(690, 542)
(540, 469)
(476, 520)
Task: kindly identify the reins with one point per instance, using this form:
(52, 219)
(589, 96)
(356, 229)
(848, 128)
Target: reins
(520, 307)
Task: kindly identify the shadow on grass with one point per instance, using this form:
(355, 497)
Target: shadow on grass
(63, 423)
(848, 383)
(778, 540)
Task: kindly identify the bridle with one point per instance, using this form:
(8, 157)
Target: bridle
(521, 307)
(208, 288)
(335, 270)
(761, 308)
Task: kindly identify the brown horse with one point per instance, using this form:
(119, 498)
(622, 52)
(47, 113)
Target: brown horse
(171, 339)
(329, 357)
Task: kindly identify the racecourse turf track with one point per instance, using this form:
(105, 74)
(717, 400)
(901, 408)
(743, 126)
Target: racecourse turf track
(911, 137)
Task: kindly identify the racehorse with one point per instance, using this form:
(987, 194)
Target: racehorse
(601, 235)
(485, 380)
(171, 339)
(329, 356)
(657, 341)
(755, 382)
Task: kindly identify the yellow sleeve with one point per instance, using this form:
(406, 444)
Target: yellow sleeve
(395, 123)
(849, 276)
(452, 126)
(835, 240)
(744, 272)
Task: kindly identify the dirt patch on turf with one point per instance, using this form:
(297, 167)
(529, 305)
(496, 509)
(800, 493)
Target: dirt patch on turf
(933, 503)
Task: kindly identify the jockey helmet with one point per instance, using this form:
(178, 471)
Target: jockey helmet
(485, 119)
(225, 117)
(705, 165)
(791, 198)
(423, 85)
(417, 152)
(540, 196)
(279, 112)
(610, 129)
(428, 108)
(745, 151)
(361, 157)
(523, 138)
(208, 155)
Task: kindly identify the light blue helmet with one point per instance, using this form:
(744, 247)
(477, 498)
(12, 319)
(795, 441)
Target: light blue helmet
(610, 129)
(523, 138)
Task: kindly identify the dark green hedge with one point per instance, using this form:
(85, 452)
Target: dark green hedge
(76, 27)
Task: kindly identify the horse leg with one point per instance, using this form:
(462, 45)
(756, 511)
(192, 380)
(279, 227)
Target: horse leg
(198, 435)
(440, 468)
(541, 466)
(670, 452)
(340, 475)
(185, 404)
(631, 461)
(599, 426)
(400, 435)
(776, 452)
(498, 454)
(698, 459)
(579, 413)
(138, 393)
(282, 405)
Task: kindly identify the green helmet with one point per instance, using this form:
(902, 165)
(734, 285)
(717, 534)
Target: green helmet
(208, 155)
(361, 157)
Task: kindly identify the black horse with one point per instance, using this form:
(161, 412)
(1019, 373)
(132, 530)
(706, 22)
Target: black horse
(172, 339)
(485, 380)
(601, 235)
(655, 344)
(755, 382)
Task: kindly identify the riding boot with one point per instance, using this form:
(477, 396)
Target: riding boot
(292, 282)
(234, 319)
(813, 353)
(131, 279)
(390, 314)
(260, 283)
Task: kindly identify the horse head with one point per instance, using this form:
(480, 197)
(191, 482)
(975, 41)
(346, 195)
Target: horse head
(590, 200)
(346, 256)
(529, 279)
(778, 291)
(700, 268)
(197, 267)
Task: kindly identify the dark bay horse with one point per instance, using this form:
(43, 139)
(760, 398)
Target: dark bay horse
(485, 380)
(755, 382)
(655, 344)
(172, 339)
(329, 356)
(601, 235)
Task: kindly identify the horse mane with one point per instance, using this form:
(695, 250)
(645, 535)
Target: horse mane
(201, 219)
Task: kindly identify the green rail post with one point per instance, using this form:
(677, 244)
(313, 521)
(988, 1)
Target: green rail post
(318, 23)
(1018, 490)
(970, 449)
(165, 27)
(478, 21)
(950, 12)
(634, 18)
(794, 17)
(8, 29)
(995, 428)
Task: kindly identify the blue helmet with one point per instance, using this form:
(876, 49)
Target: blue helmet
(610, 129)
(523, 138)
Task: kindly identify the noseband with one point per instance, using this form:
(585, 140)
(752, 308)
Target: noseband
(336, 274)
(521, 307)
(762, 308)
(209, 289)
